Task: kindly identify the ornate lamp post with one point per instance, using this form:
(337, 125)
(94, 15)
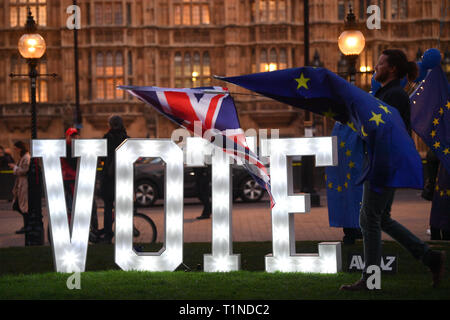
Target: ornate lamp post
(351, 43)
(32, 48)
(78, 117)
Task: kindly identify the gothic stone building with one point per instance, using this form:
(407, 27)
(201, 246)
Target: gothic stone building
(182, 43)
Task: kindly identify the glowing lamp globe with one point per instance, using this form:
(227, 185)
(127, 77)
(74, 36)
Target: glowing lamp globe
(32, 46)
(351, 42)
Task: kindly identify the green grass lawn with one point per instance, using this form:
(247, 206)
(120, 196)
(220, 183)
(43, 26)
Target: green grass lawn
(27, 273)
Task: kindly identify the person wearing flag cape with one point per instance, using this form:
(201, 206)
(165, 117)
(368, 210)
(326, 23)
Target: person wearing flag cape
(382, 122)
(375, 214)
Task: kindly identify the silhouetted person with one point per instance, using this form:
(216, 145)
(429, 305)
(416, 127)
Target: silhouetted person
(202, 181)
(20, 189)
(115, 136)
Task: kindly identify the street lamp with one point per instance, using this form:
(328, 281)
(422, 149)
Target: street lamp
(351, 43)
(32, 48)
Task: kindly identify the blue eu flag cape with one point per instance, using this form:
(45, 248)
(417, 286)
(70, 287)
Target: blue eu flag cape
(343, 194)
(393, 158)
(430, 114)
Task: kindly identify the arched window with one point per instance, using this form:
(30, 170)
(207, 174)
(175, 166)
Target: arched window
(99, 64)
(282, 15)
(270, 10)
(194, 70)
(18, 12)
(206, 80)
(109, 70)
(20, 86)
(178, 64)
(187, 73)
(273, 60)
(191, 12)
(118, 75)
(276, 60)
(262, 11)
(109, 74)
(119, 64)
(263, 61)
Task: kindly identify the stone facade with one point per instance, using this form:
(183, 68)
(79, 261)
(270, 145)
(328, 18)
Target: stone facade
(182, 43)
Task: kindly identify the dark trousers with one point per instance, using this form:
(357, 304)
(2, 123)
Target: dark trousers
(203, 179)
(108, 214)
(439, 234)
(375, 216)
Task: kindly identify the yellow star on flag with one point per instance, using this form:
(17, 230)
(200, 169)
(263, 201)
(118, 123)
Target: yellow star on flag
(437, 145)
(342, 144)
(433, 133)
(436, 121)
(329, 114)
(351, 164)
(330, 185)
(377, 118)
(348, 153)
(363, 132)
(348, 176)
(446, 151)
(339, 189)
(441, 111)
(448, 192)
(441, 193)
(448, 105)
(352, 126)
(384, 108)
(346, 185)
(302, 82)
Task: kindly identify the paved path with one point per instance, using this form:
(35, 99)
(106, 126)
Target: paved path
(251, 222)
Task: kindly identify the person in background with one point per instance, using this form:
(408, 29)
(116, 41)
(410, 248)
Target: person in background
(440, 207)
(203, 180)
(115, 136)
(20, 189)
(69, 170)
(375, 213)
(5, 159)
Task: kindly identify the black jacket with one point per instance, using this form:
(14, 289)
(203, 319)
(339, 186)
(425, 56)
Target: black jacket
(114, 138)
(395, 96)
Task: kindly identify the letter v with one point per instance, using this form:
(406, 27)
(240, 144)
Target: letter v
(69, 252)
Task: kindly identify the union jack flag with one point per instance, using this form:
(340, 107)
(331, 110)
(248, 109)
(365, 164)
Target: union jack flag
(214, 109)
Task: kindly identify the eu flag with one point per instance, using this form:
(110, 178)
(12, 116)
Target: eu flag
(393, 158)
(343, 195)
(430, 114)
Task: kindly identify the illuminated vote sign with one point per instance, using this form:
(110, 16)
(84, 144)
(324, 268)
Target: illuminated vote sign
(70, 242)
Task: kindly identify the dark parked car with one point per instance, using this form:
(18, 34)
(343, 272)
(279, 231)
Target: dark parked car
(149, 183)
